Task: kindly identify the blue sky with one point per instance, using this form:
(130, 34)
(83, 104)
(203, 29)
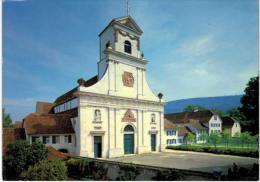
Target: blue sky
(194, 48)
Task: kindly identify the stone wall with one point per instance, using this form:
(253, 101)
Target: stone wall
(125, 171)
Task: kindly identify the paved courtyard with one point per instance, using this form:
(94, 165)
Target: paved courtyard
(188, 160)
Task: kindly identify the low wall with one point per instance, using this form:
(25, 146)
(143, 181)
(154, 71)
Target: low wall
(112, 170)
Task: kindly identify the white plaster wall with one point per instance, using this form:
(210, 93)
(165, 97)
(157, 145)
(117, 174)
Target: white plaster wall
(171, 137)
(111, 83)
(61, 145)
(112, 126)
(119, 45)
(236, 128)
(106, 36)
(102, 66)
(219, 121)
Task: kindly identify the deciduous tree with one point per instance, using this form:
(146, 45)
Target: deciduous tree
(250, 106)
(191, 137)
(226, 137)
(191, 108)
(7, 121)
(214, 138)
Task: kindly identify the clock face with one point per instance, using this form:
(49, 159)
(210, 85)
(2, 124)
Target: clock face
(128, 79)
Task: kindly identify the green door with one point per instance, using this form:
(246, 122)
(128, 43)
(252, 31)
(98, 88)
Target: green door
(129, 143)
(153, 142)
(97, 146)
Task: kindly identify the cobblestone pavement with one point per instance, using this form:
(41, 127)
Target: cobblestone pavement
(188, 160)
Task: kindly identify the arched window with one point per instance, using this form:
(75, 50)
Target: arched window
(128, 47)
(129, 128)
(97, 116)
(153, 118)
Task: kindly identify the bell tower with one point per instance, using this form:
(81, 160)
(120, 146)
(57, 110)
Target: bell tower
(121, 36)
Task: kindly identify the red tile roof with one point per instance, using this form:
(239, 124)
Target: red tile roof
(44, 107)
(227, 122)
(184, 117)
(18, 124)
(66, 97)
(50, 123)
(70, 94)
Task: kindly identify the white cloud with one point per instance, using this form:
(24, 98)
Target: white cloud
(198, 46)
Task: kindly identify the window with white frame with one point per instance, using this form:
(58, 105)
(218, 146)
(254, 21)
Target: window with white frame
(97, 115)
(170, 132)
(153, 118)
(45, 139)
(171, 141)
(55, 139)
(67, 139)
(215, 117)
(180, 140)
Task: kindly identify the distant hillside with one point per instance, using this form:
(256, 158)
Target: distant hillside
(220, 102)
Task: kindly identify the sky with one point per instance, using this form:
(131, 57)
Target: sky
(195, 48)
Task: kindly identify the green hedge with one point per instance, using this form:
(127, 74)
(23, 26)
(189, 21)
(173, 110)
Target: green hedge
(219, 150)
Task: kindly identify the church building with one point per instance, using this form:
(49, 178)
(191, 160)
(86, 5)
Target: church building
(114, 113)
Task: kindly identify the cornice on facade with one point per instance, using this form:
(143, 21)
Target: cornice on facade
(82, 93)
(126, 56)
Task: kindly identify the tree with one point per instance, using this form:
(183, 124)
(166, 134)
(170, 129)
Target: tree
(46, 170)
(218, 112)
(204, 137)
(7, 121)
(226, 137)
(214, 138)
(191, 137)
(250, 107)
(236, 114)
(191, 108)
(20, 155)
(244, 138)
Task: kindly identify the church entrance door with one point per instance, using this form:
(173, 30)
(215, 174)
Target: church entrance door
(97, 146)
(153, 142)
(129, 140)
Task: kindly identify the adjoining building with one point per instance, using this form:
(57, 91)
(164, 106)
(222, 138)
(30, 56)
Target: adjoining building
(231, 126)
(112, 114)
(178, 125)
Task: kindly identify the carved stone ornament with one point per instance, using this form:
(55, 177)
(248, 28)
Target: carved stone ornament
(128, 79)
(128, 117)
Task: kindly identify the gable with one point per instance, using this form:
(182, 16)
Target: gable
(125, 21)
(129, 22)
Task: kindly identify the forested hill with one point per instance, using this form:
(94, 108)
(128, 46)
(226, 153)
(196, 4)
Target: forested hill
(220, 102)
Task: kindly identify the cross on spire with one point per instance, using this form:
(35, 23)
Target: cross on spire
(127, 8)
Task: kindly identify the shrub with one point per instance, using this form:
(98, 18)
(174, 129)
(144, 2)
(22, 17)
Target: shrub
(20, 154)
(46, 170)
(38, 152)
(73, 167)
(220, 150)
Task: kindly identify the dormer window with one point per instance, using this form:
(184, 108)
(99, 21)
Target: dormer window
(128, 47)
(97, 115)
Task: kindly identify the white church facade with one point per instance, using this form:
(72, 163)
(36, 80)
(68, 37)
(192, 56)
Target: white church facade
(115, 113)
